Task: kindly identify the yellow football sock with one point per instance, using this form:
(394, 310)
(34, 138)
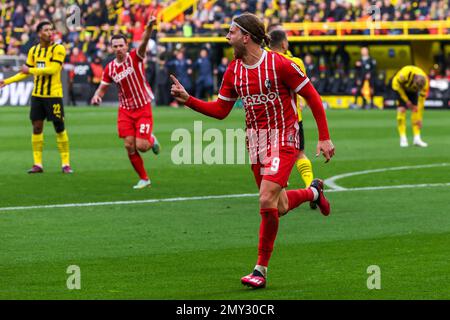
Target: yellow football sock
(415, 116)
(304, 167)
(62, 140)
(401, 123)
(37, 143)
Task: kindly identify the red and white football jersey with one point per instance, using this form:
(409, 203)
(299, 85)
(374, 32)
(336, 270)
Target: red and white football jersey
(268, 91)
(129, 76)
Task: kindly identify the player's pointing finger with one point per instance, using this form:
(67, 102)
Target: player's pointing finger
(175, 80)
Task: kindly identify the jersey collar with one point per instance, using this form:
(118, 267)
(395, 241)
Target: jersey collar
(256, 65)
(124, 60)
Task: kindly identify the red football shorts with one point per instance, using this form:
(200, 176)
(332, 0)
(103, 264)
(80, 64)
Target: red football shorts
(276, 168)
(135, 122)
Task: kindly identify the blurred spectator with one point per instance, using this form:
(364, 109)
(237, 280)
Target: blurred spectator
(94, 77)
(2, 45)
(77, 56)
(163, 85)
(136, 32)
(220, 71)
(182, 69)
(341, 58)
(388, 8)
(18, 18)
(88, 45)
(311, 69)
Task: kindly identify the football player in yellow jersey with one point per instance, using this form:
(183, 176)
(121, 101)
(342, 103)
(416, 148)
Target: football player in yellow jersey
(45, 62)
(411, 87)
(279, 43)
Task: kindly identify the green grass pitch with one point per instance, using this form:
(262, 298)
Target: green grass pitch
(199, 249)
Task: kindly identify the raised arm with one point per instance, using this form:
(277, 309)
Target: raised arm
(146, 37)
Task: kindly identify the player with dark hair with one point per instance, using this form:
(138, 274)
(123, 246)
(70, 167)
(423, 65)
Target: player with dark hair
(45, 62)
(267, 83)
(279, 43)
(135, 120)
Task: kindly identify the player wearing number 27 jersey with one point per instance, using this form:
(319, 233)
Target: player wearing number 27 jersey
(134, 121)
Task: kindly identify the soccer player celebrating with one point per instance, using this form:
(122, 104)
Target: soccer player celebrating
(267, 83)
(135, 121)
(411, 87)
(279, 43)
(44, 62)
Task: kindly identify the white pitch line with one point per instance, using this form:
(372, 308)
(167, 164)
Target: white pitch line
(224, 196)
(110, 203)
(331, 182)
(402, 186)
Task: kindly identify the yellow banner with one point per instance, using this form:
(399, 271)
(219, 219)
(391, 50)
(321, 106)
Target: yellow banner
(344, 102)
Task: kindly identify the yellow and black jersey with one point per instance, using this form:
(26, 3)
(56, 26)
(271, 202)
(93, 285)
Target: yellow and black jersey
(403, 82)
(300, 63)
(46, 64)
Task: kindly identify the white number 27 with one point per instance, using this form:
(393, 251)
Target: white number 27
(145, 128)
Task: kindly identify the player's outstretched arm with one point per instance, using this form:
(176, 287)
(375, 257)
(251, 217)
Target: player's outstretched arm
(218, 109)
(146, 37)
(15, 78)
(312, 97)
(98, 95)
(53, 68)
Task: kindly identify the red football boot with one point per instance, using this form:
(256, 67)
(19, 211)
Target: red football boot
(321, 201)
(254, 281)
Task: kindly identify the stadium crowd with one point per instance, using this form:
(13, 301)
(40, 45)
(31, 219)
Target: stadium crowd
(200, 69)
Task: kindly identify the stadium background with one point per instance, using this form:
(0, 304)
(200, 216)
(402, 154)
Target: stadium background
(397, 33)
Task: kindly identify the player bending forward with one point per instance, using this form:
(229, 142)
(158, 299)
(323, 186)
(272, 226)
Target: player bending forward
(135, 121)
(267, 83)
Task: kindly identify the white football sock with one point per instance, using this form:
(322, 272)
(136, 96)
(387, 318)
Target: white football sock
(261, 269)
(316, 193)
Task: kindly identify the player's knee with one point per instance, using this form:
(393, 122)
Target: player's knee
(418, 123)
(59, 126)
(143, 146)
(283, 208)
(130, 146)
(37, 129)
(401, 110)
(268, 200)
(302, 155)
